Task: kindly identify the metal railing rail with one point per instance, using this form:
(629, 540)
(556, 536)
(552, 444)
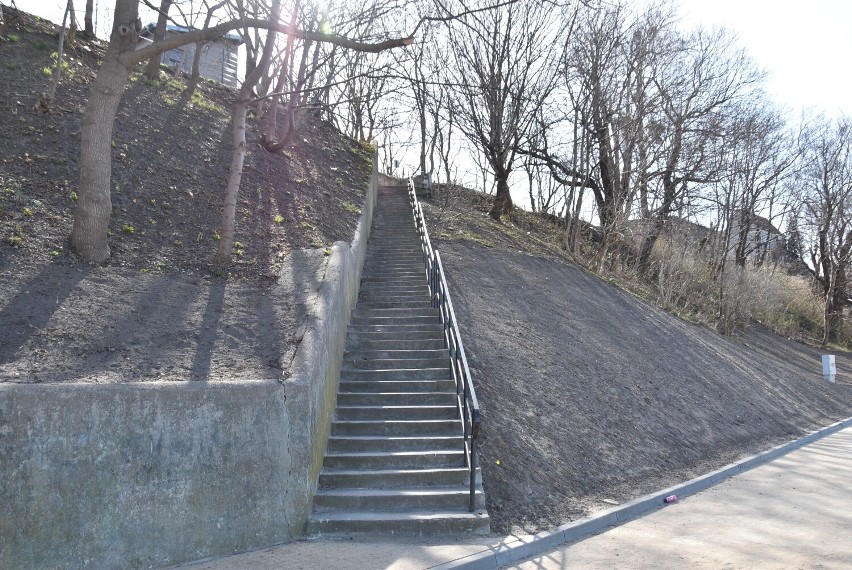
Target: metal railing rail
(439, 293)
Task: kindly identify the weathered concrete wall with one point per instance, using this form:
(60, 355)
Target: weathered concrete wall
(152, 474)
(135, 475)
(311, 387)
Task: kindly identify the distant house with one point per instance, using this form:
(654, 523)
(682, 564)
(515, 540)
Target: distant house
(218, 57)
(764, 242)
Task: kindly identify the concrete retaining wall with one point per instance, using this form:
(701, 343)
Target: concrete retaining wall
(152, 474)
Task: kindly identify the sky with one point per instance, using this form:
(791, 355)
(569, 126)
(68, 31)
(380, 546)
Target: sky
(804, 46)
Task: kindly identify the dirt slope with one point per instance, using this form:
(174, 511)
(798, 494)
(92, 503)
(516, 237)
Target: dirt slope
(589, 394)
(154, 311)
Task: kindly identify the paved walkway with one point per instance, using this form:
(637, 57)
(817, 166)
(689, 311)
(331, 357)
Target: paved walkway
(794, 512)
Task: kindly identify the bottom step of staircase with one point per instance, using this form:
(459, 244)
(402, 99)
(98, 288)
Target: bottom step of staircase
(408, 522)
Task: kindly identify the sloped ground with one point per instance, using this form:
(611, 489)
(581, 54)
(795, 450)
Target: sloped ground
(592, 397)
(154, 311)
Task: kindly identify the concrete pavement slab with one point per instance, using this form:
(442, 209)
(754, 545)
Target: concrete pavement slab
(794, 512)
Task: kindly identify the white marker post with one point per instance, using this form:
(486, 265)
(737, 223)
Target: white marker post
(829, 369)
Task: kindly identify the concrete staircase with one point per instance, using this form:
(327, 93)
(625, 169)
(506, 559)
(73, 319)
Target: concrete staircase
(395, 460)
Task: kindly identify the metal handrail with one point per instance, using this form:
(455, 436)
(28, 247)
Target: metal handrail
(439, 293)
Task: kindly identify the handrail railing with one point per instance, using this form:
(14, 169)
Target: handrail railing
(439, 293)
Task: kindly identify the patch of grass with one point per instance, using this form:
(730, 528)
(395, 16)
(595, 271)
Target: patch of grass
(42, 45)
(278, 219)
(13, 38)
(350, 207)
(28, 212)
(67, 70)
(73, 196)
(18, 237)
(128, 229)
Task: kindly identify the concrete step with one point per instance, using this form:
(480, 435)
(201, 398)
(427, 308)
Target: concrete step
(396, 275)
(396, 281)
(367, 385)
(362, 443)
(394, 374)
(394, 248)
(395, 459)
(374, 315)
(393, 478)
(432, 354)
(398, 302)
(412, 259)
(378, 288)
(408, 522)
(394, 344)
(412, 300)
(398, 321)
(447, 398)
(394, 267)
(406, 270)
(402, 312)
(375, 341)
(397, 427)
(414, 295)
(434, 329)
(401, 499)
(389, 412)
(381, 364)
(408, 282)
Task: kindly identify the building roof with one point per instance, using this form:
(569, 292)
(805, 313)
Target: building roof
(236, 39)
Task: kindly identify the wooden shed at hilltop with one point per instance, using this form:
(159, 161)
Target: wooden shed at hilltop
(218, 57)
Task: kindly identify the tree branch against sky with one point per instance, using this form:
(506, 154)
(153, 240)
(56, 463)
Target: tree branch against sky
(507, 57)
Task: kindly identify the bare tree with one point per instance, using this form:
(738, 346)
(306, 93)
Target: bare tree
(698, 86)
(152, 70)
(826, 178)
(88, 23)
(44, 102)
(255, 69)
(94, 207)
(195, 75)
(504, 68)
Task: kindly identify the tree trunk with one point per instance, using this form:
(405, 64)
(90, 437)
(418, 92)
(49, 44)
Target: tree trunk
(226, 230)
(192, 84)
(503, 199)
(238, 155)
(46, 99)
(648, 244)
(71, 33)
(94, 207)
(89, 27)
(152, 71)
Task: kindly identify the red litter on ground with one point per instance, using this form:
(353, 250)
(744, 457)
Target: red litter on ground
(671, 499)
